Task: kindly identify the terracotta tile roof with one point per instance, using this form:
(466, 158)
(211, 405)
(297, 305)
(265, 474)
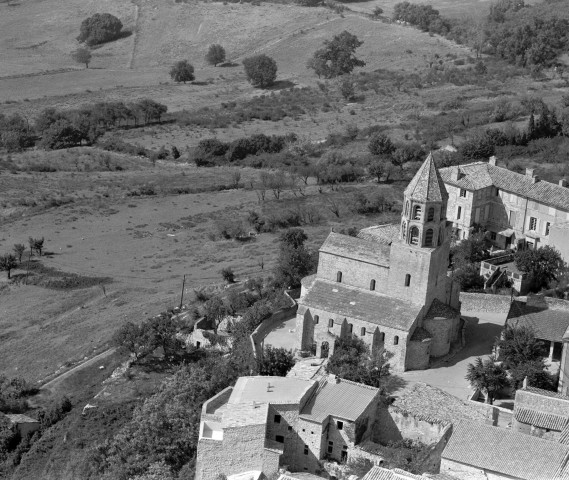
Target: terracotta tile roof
(480, 175)
(504, 451)
(299, 476)
(385, 234)
(356, 248)
(564, 437)
(433, 405)
(344, 399)
(379, 473)
(540, 419)
(547, 323)
(427, 184)
(439, 309)
(372, 307)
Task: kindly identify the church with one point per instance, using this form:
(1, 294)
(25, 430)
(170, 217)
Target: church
(389, 285)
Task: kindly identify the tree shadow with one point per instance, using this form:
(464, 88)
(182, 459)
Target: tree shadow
(281, 85)
(228, 64)
(199, 83)
(392, 383)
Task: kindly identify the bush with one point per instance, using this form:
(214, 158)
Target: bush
(100, 28)
(215, 54)
(228, 275)
(261, 70)
(182, 71)
(380, 144)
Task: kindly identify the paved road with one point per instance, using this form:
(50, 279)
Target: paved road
(483, 328)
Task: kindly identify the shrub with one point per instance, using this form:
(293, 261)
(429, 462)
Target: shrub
(380, 144)
(100, 28)
(261, 70)
(228, 275)
(182, 71)
(215, 54)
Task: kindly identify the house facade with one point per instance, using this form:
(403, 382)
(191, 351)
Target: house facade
(388, 286)
(517, 210)
(265, 423)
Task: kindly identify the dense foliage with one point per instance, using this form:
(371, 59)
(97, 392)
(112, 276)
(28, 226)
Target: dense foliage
(261, 70)
(182, 71)
(487, 376)
(215, 54)
(82, 55)
(275, 361)
(337, 56)
(295, 261)
(100, 28)
(542, 265)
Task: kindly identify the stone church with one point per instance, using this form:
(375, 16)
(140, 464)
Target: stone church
(389, 285)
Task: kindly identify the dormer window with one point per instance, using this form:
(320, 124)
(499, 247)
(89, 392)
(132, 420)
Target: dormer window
(417, 212)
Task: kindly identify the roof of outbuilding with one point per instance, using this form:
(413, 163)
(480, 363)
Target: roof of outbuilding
(274, 390)
(17, 418)
(433, 405)
(505, 451)
(547, 323)
(355, 248)
(540, 419)
(427, 185)
(480, 175)
(344, 399)
(372, 307)
(379, 473)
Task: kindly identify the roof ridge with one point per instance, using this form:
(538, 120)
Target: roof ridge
(343, 380)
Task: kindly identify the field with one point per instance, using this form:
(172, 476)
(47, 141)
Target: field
(87, 203)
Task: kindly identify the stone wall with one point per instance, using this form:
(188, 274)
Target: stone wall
(484, 302)
(418, 354)
(441, 330)
(211, 405)
(395, 426)
(221, 457)
(354, 273)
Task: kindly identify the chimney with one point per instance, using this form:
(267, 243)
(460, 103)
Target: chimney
(530, 172)
(492, 160)
(562, 182)
(535, 179)
(525, 383)
(455, 173)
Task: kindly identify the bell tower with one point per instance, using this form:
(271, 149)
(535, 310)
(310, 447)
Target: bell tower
(419, 260)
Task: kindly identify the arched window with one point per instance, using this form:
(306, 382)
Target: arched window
(363, 331)
(414, 236)
(407, 280)
(350, 328)
(396, 340)
(407, 208)
(339, 277)
(403, 230)
(431, 214)
(382, 338)
(372, 285)
(429, 238)
(331, 323)
(316, 319)
(417, 212)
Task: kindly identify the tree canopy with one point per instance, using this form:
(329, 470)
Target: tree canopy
(82, 55)
(100, 28)
(275, 361)
(215, 54)
(337, 56)
(261, 70)
(543, 265)
(518, 345)
(487, 376)
(294, 261)
(182, 71)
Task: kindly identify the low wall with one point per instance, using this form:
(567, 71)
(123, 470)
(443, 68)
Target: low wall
(484, 302)
(260, 333)
(496, 416)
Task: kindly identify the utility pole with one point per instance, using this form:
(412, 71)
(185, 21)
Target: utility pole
(182, 296)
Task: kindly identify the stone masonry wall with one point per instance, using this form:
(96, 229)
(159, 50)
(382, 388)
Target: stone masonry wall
(418, 354)
(221, 457)
(354, 273)
(484, 302)
(441, 330)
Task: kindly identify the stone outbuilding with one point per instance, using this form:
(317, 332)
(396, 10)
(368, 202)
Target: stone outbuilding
(388, 286)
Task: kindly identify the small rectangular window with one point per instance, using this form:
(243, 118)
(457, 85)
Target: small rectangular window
(331, 322)
(463, 192)
(289, 428)
(492, 235)
(279, 438)
(277, 419)
(532, 223)
(340, 425)
(547, 227)
(306, 449)
(316, 319)
(458, 213)
(330, 448)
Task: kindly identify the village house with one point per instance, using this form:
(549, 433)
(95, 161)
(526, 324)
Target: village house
(388, 286)
(263, 423)
(477, 451)
(542, 413)
(24, 424)
(517, 210)
(549, 320)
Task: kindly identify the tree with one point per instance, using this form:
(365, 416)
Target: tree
(518, 345)
(378, 168)
(100, 28)
(488, 377)
(471, 250)
(294, 261)
(380, 144)
(134, 339)
(215, 54)
(377, 12)
(19, 250)
(337, 57)
(353, 361)
(38, 245)
(536, 374)
(61, 134)
(275, 361)
(228, 275)
(469, 278)
(7, 263)
(261, 70)
(215, 311)
(543, 265)
(182, 71)
(347, 89)
(82, 55)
